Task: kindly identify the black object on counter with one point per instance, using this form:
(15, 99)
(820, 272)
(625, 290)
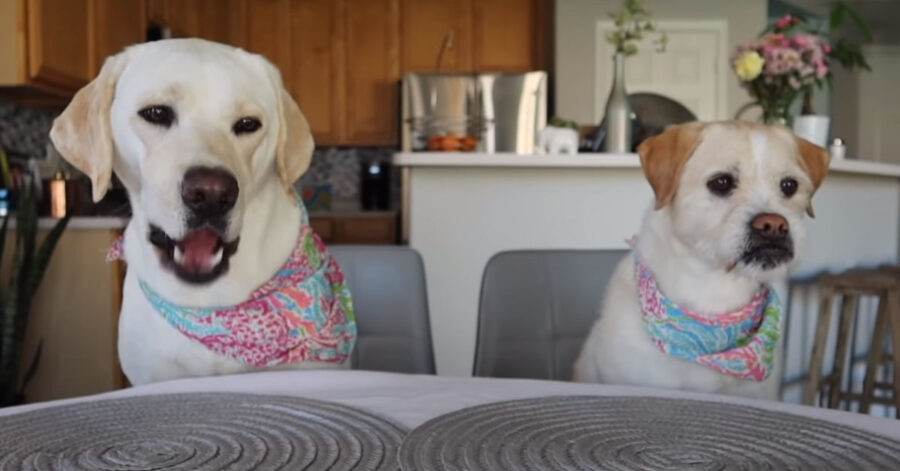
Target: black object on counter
(375, 183)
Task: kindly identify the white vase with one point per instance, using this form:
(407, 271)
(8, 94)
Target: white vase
(813, 128)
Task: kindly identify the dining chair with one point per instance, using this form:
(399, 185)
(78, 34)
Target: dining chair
(391, 305)
(536, 309)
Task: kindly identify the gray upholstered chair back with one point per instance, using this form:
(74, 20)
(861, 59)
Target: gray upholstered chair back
(389, 297)
(536, 309)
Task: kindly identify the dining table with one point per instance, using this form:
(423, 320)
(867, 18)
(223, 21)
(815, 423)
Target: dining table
(409, 402)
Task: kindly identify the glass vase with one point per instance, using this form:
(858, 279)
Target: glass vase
(618, 111)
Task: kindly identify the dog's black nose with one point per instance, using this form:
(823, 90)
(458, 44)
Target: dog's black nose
(209, 191)
(770, 226)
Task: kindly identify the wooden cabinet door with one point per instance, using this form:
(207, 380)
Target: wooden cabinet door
(265, 31)
(207, 19)
(426, 25)
(316, 74)
(373, 72)
(59, 43)
(505, 36)
(117, 24)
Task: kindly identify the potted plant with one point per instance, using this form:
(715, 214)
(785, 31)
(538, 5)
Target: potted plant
(632, 23)
(790, 60)
(29, 262)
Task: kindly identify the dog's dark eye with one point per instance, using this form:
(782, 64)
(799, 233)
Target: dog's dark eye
(721, 184)
(246, 126)
(788, 186)
(160, 115)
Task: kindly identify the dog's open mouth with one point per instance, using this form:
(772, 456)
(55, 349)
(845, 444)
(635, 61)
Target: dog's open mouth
(200, 256)
(768, 256)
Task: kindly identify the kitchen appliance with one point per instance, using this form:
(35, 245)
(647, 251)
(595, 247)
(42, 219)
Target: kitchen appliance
(484, 112)
(375, 186)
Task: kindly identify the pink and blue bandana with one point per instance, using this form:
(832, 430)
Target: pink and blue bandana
(303, 314)
(740, 343)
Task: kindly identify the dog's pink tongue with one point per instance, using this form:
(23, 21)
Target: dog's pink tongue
(199, 248)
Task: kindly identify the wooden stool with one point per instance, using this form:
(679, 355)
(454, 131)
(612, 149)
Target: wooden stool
(883, 283)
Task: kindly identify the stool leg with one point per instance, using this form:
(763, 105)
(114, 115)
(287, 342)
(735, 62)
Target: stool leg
(876, 348)
(814, 375)
(848, 310)
(894, 308)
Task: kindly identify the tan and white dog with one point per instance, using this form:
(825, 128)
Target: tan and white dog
(727, 218)
(208, 144)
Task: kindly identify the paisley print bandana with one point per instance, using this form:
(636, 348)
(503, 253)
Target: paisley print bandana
(740, 343)
(304, 313)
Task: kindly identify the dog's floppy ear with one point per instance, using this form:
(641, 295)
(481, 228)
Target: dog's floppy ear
(814, 160)
(82, 132)
(295, 141)
(663, 156)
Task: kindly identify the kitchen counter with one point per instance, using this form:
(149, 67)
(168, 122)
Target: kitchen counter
(592, 160)
(462, 209)
(86, 223)
(82, 223)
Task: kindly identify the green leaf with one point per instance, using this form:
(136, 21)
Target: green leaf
(630, 49)
(837, 16)
(859, 22)
(44, 253)
(4, 170)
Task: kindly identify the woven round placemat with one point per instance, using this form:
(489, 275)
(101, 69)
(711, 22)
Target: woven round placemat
(633, 433)
(200, 431)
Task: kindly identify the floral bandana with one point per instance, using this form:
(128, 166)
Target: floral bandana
(740, 343)
(304, 313)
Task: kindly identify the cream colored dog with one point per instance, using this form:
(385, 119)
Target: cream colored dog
(208, 144)
(728, 217)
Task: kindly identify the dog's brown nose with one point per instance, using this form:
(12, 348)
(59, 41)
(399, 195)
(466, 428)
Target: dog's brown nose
(770, 225)
(209, 191)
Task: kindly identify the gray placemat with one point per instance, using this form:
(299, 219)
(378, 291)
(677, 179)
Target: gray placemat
(200, 431)
(633, 433)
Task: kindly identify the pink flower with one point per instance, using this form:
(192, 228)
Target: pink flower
(784, 22)
(826, 48)
(821, 70)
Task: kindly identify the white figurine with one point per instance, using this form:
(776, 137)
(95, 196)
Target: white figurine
(554, 140)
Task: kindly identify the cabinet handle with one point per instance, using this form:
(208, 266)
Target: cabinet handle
(447, 44)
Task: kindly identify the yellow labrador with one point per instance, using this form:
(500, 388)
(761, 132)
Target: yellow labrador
(208, 144)
(690, 308)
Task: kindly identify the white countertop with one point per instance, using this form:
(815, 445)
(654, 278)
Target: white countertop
(81, 223)
(592, 160)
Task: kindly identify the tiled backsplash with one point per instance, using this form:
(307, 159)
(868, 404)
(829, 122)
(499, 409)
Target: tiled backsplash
(24, 130)
(341, 168)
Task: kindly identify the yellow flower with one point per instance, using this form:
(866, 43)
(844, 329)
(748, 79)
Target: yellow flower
(749, 66)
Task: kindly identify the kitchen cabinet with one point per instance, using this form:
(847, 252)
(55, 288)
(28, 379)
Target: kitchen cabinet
(476, 35)
(511, 35)
(207, 19)
(57, 46)
(117, 24)
(366, 227)
(437, 35)
(338, 58)
(74, 316)
(373, 78)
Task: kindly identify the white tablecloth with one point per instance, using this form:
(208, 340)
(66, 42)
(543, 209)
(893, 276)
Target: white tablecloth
(413, 399)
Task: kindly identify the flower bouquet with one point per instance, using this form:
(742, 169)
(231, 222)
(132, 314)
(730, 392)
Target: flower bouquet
(791, 59)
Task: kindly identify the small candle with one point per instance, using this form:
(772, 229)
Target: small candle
(58, 197)
(837, 148)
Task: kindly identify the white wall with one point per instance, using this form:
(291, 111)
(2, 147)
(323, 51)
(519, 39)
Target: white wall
(575, 35)
(867, 106)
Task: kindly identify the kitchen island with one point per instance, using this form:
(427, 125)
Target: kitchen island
(461, 209)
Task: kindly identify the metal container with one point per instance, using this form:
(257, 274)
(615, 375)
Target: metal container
(484, 112)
